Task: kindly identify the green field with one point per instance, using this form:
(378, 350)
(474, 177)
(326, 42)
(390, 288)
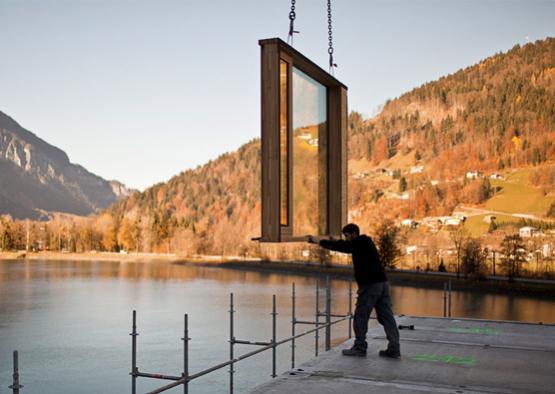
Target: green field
(519, 196)
(477, 226)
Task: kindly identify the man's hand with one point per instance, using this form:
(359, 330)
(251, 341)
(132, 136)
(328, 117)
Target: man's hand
(310, 239)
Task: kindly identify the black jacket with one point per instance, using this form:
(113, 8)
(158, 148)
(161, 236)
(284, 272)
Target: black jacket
(366, 261)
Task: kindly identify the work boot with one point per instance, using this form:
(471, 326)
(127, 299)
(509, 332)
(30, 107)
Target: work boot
(354, 351)
(389, 353)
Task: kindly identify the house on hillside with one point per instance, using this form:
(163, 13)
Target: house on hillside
(360, 175)
(495, 176)
(546, 250)
(431, 222)
(527, 231)
(416, 169)
(410, 223)
(474, 175)
(453, 221)
(400, 196)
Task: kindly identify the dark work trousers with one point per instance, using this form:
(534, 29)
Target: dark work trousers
(375, 296)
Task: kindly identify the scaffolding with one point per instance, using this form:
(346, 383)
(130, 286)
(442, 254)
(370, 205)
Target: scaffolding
(272, 345)
(185, 378)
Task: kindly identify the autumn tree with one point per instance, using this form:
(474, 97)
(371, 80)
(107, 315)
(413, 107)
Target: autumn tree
(492, 225)
(85, 238)
(473, 258)
(402, 184)
(18, 235)
(125, 236)
(551, 210)
(322, 255)
(5, 233)
(387, 236)
(110, 237)
(381, 149)
(514, 255)
(136, 234)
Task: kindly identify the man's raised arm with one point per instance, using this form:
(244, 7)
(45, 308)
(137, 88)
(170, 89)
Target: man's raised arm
(331, 244)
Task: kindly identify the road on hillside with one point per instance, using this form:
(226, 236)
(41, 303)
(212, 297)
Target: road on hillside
(482, 211)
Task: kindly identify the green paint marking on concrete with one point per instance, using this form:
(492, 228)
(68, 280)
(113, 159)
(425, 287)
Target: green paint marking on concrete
(483, 331)
(446, 359)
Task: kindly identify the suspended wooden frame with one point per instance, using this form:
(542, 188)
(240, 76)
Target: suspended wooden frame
(304, 146)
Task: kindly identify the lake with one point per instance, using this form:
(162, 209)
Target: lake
(70, 321)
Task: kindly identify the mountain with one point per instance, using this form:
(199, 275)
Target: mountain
(495, 116)
(214, 208)
(409, 161)
(37, 178)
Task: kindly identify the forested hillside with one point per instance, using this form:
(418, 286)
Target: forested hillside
(491, 117)
(496, 114)
(213, 209)
(408, 162)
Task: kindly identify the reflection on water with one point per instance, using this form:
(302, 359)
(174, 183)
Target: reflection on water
(71, 320)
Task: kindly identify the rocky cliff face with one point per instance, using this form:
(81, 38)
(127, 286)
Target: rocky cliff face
(37, 178)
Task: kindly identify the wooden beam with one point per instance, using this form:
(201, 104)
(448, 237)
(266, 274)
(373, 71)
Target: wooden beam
(270, 142)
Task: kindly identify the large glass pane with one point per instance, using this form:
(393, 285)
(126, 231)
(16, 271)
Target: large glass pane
(283, 141)
(309, 155)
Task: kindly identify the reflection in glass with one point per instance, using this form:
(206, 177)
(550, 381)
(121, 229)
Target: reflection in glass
(309, 155)
(283, 142)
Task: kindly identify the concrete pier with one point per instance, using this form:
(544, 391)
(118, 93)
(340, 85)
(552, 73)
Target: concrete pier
(438, 356)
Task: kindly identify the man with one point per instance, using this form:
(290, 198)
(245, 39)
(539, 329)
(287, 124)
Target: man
(373, 290)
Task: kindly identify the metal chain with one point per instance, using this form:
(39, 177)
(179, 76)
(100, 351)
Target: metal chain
(292, 16)
(330, 39)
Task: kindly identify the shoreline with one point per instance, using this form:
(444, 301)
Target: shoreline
(422, 279)
(90, 256)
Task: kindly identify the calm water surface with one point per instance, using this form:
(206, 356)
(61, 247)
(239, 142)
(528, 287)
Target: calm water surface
(71, 321)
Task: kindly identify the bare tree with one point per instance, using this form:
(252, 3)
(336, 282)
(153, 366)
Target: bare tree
(458, 236)
(513, 255)
(473, 258)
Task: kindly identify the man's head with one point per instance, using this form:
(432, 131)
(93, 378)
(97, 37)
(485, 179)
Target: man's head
(350, 231)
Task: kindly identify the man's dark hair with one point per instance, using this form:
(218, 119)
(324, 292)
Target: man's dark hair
(351, 228)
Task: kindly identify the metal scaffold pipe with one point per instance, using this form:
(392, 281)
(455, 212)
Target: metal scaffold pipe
(186, 339)
(186, 377)
(449, 308)
(274, 333)
(293, 321)
(242, 357)
(328, 313)
(316, 333)
(231, 342)
(350, 309)
(444, 299)
(15, 386)
(134, 370)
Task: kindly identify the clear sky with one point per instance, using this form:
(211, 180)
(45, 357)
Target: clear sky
(139, 91)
